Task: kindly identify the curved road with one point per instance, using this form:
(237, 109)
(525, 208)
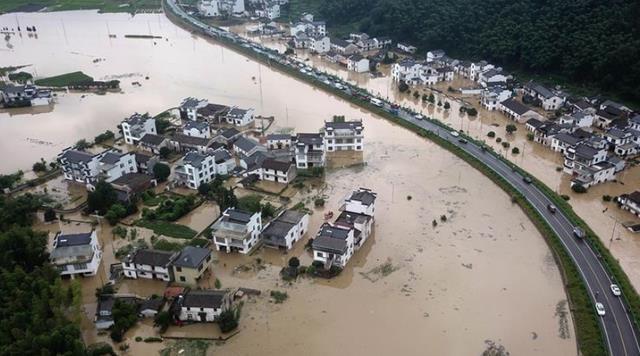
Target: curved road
(617, 327)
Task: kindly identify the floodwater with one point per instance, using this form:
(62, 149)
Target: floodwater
(604, 218)
(484, 274)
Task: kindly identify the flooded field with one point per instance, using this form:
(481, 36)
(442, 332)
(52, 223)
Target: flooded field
(483, 274)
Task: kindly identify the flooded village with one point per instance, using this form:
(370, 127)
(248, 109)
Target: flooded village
(297, 215)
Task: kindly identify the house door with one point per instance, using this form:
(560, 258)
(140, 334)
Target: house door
(203, 316)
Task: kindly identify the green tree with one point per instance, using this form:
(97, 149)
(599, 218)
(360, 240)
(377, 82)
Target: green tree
(432, 98)
(515, 150)
(294, 262)
(161, 171)
(491, 134)
(82, 145)
(511, 128)
(268, 211)
(165, 152)
(162, 320)
(403, 87)
(40, 166)
(227, 321)
(115, 213)
(49, 214)
(102, 198)
(105, 136)
(447, 106)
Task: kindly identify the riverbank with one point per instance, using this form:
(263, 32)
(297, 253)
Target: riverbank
(590, 337)
(113, 6)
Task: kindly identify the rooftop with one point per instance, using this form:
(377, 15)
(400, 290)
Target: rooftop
(151, 257)
(246, 144)
(152, 139)
(515, 106)
(191, 257)
(203, 299)
(365, 196)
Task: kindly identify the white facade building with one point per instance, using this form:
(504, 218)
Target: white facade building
(136, 126)
(344, 136)
(309, 151)
(76, 254)
(203, 305)
(286, 229)
(237, 230)
(358, 63)
(149, 264)
(195, 168)
(239, 117)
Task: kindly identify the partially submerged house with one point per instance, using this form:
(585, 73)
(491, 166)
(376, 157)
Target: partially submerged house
(344, 136)
(76, 254)
(191, 264)
(201, 305)
(286, 229)
(149, 264)
(237, 230)
(136, 126)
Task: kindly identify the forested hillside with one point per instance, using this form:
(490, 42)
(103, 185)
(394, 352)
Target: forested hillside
(592, 42)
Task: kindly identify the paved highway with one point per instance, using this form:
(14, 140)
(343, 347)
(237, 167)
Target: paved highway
(618, 329)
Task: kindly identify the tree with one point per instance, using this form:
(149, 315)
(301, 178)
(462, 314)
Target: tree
(579, 188)
(125, 316)
(49, 214)
(416, 94)
(250, 203)
(227, 321)
(439, 103)
(432, 98)
(162, 320)
(491, 134)
(40, 166)
(102, 198)
(115, 213)
(119, 231)
(515, 150)
(319, 202)
(530, 136)
(162, 124)
(472, 111)
(447, 106)
(105, 136)
(82, 145)
(294, 262)
(403, 87)
(268, 211)
(511, 128)
(165, 152)
(161, 171)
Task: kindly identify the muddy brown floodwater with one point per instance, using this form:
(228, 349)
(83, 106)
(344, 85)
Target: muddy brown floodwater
(484, 274)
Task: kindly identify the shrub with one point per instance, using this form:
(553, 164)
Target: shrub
(164, 152)
(162, 320)
(40, 166)
(279, 297)
(506, 144)
(472, 112)
(409, 197)
(319, 202)
(161, 172)
(491, 134)
(530, 136)
(447, 106)
(138, 338)
(443, 218)
(498, 140)
(217, 284)
(511, 128)
(403, 87)
(227, 321)
(515, 150)
(579, 188)
(294, 262)
(416, 94)
(152, 339)
(606, 198)
(49, 215)
(565, 197)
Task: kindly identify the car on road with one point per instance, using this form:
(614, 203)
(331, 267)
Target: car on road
(527, 179)
(419, 117)
(578, 232)
(462, 141)
(600, 309)
(454, 133)
(615, 290)
(376, 102)
(552, 208)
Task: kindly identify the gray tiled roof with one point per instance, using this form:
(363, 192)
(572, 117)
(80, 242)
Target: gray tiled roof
(74, 156)
(151, 139)
(73, 239)
(324, 243)
(194, 158)
(152, 257)
(204, 299)
(110, 158)
(365, 197)
(246, 144)
(309, 138)
(352, 125)
(515, 106)
(191, 257)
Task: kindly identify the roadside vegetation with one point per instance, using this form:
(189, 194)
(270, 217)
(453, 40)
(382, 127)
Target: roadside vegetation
(131, 6)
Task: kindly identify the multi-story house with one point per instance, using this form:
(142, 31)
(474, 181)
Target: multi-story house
(406, 70)
(517, 111)
(87, 168)
(214, 8)
(630, 202)
(333, 246)
(588, 165)
(195, 168)
(357, 63)
(236, 230)
(76, 254)
(343, 47)
(191, 264)
(136, 126)
(276, 171)
(344, 136)
(197, 129)
(547, 99)
(320, 44)
(309, 150)
(201, 305)
(279, 141)
(149, 264)
(434, 55)
(286, 229)
(246, 146)
(491, 97)
(190, 106)
(239, 117)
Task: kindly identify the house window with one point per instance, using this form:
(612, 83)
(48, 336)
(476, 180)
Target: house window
(183, 279)
(178, 269)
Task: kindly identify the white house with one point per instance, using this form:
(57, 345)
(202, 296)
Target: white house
(195, 168)
(190, 106)
(136, 126)
(276, 171)
(202, 305)
(247, 146)
(309, 150)
(407, 48)
(239, 117)
(197, 129)
(406, 70)
(517, 111)
(333, 246)
(213, 8)
(344, 136)
(320, 44)
(236, 230)
(149, 264)
(548, 99)
(357, 63)
(491, 97)
(286, 229)
(434, 55)
(579, 118)
(343, 47)
(12, 96)
(491, 77)
(87, 168)
(76, 254)
(588, 165)
(224, 161)
(279, 141)
(630, 202)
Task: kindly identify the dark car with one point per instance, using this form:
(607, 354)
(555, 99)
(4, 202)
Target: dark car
(463, 141)
(552, 208)
(527, 179)
(578, 232)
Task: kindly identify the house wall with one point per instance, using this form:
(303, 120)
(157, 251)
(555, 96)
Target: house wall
(193, 314)
(191, 276)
